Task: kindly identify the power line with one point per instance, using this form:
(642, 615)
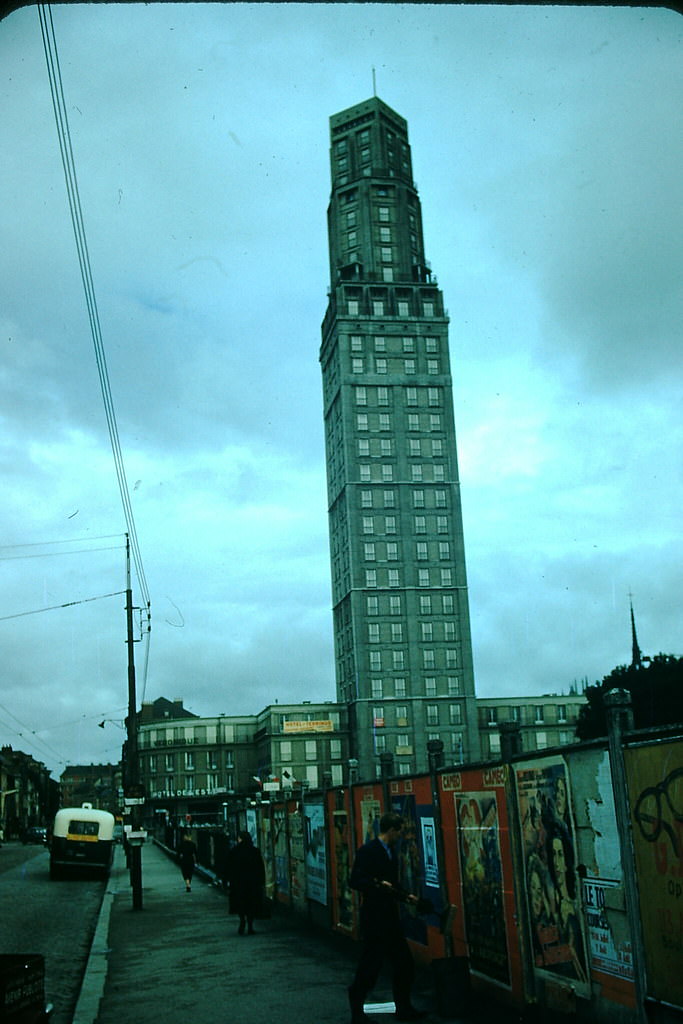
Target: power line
(54, 607)
(55, 554)
(72, 540)
(68, 163)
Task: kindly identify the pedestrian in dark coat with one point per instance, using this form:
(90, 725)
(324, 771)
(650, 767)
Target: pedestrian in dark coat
(375, 875)
(247, 876)
(187, 857)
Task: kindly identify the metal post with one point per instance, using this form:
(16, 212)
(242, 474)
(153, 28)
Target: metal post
(386, 769)
(132, 785)
(510, 740)
(435, 757)
(619, 714)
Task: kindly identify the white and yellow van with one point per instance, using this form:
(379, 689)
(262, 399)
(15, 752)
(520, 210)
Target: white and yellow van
(83, 838)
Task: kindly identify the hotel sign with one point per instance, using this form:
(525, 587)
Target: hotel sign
(323, 725)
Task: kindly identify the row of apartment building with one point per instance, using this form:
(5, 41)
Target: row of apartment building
(28, 796)
(193, 765)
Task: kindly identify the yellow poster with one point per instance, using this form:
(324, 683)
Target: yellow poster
(655, 784)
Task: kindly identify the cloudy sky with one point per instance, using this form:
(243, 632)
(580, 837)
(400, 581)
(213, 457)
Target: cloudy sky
(547, 152)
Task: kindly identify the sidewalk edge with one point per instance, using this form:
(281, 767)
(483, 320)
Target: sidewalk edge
(92, 986)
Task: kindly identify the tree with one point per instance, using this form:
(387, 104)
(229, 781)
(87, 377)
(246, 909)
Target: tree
(656, 691)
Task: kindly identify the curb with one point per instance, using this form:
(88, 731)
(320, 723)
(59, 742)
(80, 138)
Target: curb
(92, 985)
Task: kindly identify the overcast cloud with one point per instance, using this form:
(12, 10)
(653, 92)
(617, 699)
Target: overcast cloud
(547, 152)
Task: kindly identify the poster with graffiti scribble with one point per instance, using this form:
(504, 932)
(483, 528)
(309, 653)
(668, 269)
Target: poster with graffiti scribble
(552, 884)
(482, 883)
(655, 786)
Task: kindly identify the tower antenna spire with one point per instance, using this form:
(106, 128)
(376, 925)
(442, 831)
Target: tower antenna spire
(636, 657)
(374, 82)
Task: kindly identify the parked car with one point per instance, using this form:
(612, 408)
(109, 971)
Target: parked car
(36, 834)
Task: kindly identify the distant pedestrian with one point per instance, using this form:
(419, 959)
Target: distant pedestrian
(187, 857)
(247, 876)
(375, 876)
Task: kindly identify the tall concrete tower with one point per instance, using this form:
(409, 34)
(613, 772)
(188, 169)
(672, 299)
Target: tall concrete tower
(403, 650)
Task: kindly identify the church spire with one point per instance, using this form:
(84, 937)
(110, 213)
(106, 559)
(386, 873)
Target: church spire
(636, 658)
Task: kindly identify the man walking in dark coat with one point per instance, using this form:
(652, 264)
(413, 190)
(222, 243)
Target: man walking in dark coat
(247, 876)
(375, 876)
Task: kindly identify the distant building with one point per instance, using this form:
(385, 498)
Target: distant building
(198, 766)
(28, 796)
(547, 721)
(160, 709)
(402, 642)
(193, 765)
(97, 784)
(303, 742)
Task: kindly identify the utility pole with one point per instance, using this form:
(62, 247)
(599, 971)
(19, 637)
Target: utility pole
(132, 795)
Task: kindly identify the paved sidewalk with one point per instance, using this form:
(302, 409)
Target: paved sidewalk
(179, 959)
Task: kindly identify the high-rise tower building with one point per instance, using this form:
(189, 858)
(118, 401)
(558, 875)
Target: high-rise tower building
(403, 650)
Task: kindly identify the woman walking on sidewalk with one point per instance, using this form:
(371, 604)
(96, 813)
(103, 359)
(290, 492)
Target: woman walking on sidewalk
(247, 877)
(187, 857)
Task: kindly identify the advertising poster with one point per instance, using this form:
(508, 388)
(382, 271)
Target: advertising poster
(431, 864)
(297, 859)
(281, 853)
(371, 812)
(610, 948)
(342, 860)
(606, 956)
(267, 854)
(316, 854)
(411, 864)
(482, 883)
(655, 785)
(252, 825)
(552, 884)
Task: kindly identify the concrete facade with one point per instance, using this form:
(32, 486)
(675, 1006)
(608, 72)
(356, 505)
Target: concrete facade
(403, 649)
